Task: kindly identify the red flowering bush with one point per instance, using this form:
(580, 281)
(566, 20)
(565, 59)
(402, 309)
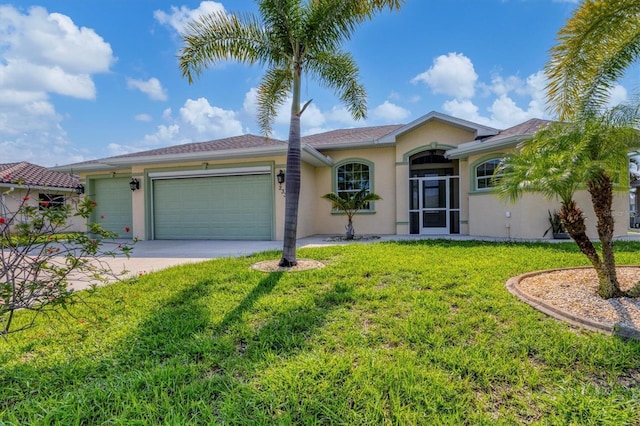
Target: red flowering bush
(39, 259)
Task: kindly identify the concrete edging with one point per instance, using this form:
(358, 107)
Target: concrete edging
(616, 329)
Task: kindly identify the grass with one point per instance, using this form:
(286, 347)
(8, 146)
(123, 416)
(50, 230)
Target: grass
(388, 333)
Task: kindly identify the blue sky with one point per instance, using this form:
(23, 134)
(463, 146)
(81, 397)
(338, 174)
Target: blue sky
(85, 79)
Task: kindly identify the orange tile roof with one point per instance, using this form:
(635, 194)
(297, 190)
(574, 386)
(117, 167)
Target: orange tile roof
(28, 174)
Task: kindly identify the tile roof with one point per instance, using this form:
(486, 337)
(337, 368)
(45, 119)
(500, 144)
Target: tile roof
(231, 143)
(234, 142)
(528, 128)
(328, 140)
(24, 173)
(349, 136)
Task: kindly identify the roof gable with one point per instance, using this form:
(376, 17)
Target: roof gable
(478, 129)
(349, 137)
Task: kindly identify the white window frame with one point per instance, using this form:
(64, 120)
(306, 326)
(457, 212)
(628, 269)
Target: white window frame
(487, 179)
(355, 188)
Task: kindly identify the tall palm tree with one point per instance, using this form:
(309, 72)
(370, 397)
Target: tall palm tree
(288, 37)
(594, 49)
(591, 150)
(350, 204)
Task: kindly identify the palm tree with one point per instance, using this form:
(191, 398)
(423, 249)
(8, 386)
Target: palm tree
(289, 37)
(350, 204)
(561, 158)
(594, 49)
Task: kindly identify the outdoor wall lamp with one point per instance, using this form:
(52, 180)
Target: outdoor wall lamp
(280, 178)
(134, 184)
(79, 189)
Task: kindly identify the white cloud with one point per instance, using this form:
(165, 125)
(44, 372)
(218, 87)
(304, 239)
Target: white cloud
(465, 109)
(143, 117)
(502, 85)
(341, 116)
(117, 149)
(504, 111)
(209, 121)
(452, 75)
(152, 88)
(390, 113)
(197, 121)
(164, 136)
(178, 18)
(44, 53)
(312, 116)
(617, 96)
(166, 114)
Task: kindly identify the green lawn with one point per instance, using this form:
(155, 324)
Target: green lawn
(414, 333)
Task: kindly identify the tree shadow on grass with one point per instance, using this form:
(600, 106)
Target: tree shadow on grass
(179, 363)
(264, 287)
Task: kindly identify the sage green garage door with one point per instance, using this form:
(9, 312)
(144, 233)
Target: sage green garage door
(221, 207)
(113, 205)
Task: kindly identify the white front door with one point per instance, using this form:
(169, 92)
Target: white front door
(435, 204)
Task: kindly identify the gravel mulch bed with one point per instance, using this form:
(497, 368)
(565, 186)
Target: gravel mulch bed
(573, 292)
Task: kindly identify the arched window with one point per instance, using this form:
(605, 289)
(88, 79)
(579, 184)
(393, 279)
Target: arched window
(352, 177)
(485, 173)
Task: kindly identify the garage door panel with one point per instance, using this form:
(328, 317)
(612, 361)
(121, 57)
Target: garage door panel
(223, 207)
(113, 205)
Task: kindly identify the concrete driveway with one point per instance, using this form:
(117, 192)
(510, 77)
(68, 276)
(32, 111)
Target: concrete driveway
(149, 256)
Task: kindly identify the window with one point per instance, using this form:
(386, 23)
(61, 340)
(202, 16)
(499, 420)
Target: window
(48, 201)
(485, 173)
(351, 178)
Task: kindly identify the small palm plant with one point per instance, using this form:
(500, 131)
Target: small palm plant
(592, 152)
(350, 203)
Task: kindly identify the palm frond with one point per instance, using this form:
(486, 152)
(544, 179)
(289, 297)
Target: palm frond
(273, 91)
(351, 203)
(339, 71)
(219, 37)
(594, 48)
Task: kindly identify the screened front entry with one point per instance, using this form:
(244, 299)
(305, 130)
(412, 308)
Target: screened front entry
(434, 188)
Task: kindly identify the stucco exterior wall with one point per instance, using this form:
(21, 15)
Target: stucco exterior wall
(528, 218)
(382, 219)
(11, 201)
(308, 203)
(463, 166)
(431, 135)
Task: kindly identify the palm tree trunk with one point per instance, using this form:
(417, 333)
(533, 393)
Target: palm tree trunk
(292, 179)
(351, 232)
(573, 222)
(601, 191)
(292, 185)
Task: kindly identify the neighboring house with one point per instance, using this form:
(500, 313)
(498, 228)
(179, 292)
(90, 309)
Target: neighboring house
(37, 186)
(433, 174)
